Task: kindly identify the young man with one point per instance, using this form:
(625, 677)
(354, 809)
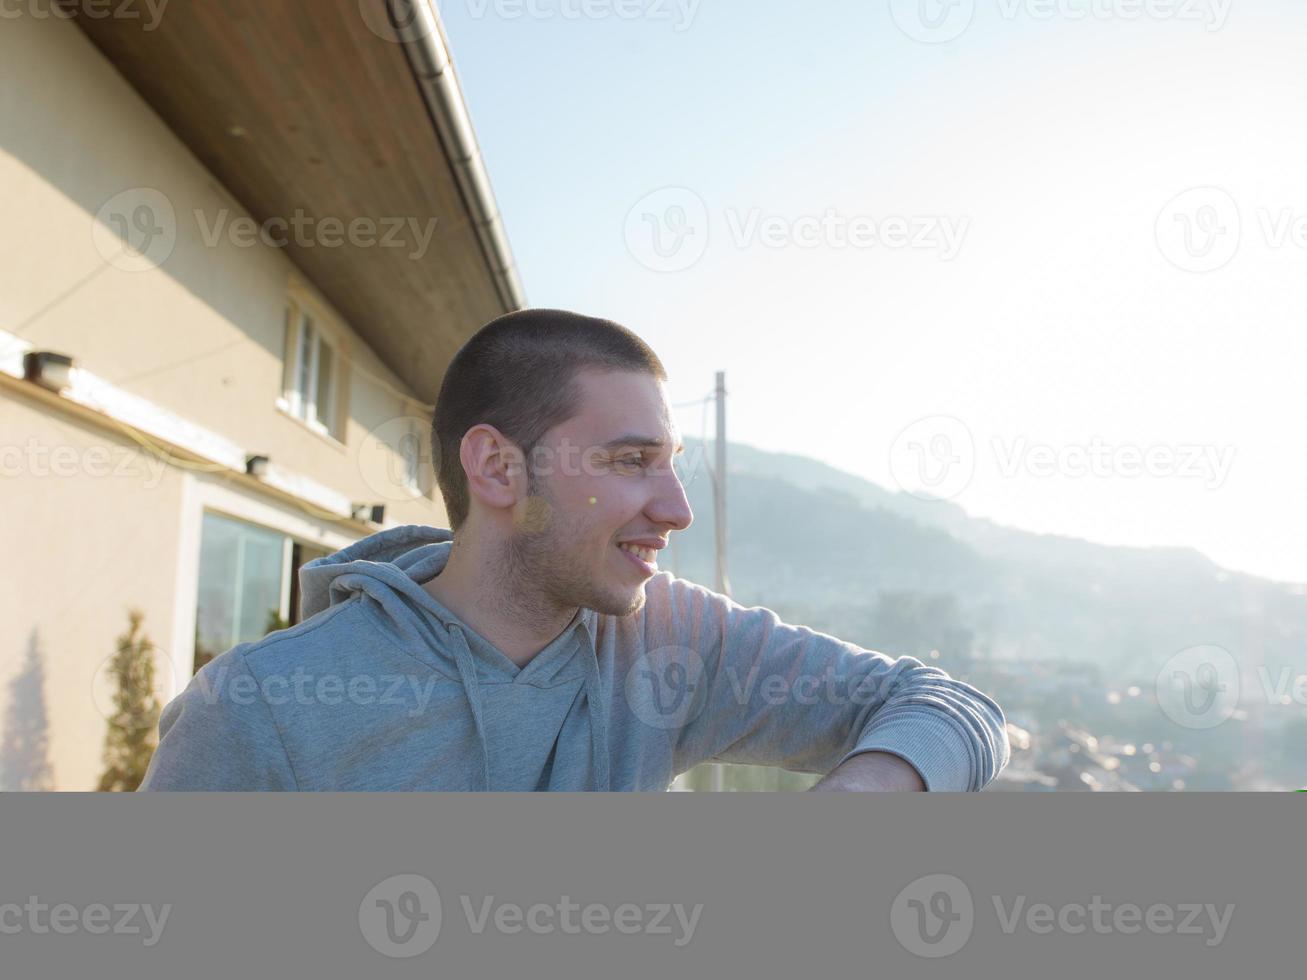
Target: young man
(538, 646)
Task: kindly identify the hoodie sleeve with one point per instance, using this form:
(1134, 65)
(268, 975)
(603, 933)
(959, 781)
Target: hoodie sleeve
(218, 734)
(787, 696)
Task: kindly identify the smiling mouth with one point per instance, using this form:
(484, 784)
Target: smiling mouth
(647, 554)
(644, 558)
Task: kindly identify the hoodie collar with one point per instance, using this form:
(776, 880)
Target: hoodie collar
(390, 566)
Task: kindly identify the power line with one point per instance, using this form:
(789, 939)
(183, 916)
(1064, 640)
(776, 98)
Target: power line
(18, 329)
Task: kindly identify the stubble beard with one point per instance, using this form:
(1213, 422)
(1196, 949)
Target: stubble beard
(542, 581)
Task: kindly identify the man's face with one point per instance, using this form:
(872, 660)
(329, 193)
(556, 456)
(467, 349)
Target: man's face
(604, 479)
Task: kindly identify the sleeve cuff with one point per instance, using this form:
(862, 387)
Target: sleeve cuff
(940, 753)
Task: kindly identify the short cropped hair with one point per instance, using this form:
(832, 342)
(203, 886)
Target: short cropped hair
(518, 373)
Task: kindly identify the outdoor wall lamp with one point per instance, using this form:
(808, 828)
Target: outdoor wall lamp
(49, 370)
(376, 513)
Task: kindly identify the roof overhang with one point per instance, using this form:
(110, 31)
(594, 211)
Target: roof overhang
(313, 107)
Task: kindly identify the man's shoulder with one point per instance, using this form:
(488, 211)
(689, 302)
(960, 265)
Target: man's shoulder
(665, 588)
(315, 639)
(670, 598)
(314, 644)
(674, 609)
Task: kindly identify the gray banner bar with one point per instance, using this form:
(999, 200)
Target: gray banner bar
(652, 885)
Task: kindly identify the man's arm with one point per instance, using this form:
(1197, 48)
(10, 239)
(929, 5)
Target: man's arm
(872, 772)
(779, 695)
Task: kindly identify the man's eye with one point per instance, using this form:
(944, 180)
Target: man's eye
(635, 460)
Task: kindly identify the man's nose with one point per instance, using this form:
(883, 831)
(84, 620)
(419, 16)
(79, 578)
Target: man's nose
(670, 506)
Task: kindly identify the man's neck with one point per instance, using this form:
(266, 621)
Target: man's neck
(510, 615)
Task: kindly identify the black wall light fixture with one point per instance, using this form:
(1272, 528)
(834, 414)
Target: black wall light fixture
(48, 369)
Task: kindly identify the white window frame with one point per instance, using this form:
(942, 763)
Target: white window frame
(303, 348)
(205, 491)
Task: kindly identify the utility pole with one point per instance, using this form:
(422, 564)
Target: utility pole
(719, 487)
(719, 523)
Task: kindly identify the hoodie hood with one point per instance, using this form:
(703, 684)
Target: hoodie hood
(401, 557)
(387, 569)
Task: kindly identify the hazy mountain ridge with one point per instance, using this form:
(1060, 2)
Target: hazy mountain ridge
(832, 550)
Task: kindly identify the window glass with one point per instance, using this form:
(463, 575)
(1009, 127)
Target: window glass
(325, 391)
(240, 589)
(304, 375)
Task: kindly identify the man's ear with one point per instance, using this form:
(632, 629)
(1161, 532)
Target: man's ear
(494, 466)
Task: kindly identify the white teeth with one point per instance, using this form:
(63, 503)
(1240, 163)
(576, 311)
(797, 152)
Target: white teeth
(644, 554)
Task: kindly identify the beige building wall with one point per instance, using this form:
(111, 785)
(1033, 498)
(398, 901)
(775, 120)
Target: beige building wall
(91, 530)
(199, 331)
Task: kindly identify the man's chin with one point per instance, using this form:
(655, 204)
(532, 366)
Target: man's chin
(612, 604)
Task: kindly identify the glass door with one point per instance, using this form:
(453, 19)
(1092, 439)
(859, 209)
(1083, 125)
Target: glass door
(249, 584)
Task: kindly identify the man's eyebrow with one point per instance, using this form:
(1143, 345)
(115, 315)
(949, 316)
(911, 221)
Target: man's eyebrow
(641, 441)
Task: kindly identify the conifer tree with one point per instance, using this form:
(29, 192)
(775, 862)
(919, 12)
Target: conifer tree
(131, 739)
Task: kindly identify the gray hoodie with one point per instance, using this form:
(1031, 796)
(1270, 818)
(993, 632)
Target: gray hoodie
(383, 688)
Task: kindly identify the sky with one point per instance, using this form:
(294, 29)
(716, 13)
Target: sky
(1044, 258)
